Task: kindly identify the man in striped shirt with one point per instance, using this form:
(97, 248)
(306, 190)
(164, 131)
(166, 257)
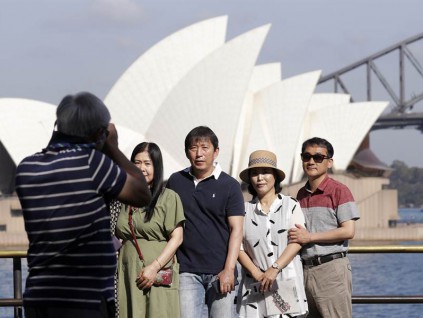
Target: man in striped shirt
(63, 191)
(330, 213)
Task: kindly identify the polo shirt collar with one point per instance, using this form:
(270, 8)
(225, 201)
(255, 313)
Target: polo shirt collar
(320, 188)
(216, 172)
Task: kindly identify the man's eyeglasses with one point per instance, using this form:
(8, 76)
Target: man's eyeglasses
(318, 158)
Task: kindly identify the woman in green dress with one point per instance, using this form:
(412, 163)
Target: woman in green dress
(158, 229)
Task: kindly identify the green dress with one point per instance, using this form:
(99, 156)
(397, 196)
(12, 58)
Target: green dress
(152, 238)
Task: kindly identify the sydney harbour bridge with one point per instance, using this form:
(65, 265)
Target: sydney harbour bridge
(404, 89)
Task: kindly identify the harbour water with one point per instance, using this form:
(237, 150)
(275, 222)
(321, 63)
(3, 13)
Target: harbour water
(373, 274)
(410, 216)
(387, 274)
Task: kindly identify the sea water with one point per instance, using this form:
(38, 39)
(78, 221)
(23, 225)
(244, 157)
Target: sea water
(410, 216)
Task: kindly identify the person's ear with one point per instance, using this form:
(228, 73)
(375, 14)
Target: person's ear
(216, 153)
(330, 163)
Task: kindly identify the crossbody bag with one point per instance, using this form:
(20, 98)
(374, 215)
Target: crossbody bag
(165, 275)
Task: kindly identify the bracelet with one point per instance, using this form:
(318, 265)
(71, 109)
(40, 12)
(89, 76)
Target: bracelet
(158, 263)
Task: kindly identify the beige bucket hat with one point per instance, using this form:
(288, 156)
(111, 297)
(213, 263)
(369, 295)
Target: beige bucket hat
(261, 159)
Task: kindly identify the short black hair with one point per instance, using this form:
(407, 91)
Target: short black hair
(199, 133)
(81, 115)
(319, 142)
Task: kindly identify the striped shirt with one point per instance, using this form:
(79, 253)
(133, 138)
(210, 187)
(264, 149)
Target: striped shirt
(71, 259)
(325, 209)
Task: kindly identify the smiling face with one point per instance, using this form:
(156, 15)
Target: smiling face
(201, 154)
(143, 161)
(263, 181)
(313, 170)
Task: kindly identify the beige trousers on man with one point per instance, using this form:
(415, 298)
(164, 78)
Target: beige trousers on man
(328, 289)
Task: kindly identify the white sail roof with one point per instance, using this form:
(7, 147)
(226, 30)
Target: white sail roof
(193, 77)
(25, 126)
(142, 89)
(211, 94)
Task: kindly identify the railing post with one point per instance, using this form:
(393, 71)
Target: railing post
(17, 284)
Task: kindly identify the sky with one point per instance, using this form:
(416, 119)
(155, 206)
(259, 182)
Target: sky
(51, 48)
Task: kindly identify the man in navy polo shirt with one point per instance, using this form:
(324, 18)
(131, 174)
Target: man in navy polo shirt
(330, 213)
(214, 211)
(63, 191)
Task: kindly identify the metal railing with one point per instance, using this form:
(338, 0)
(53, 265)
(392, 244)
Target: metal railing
(17, 256)
(386, 299)
(15, 302)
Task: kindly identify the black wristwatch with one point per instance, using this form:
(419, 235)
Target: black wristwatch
(276, 266)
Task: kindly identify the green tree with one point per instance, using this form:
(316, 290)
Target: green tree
(409, 183)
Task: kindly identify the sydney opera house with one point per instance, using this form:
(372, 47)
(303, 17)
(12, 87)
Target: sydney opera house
(198, 77)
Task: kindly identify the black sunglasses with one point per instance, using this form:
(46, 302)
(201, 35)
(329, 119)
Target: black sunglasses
(318, 158)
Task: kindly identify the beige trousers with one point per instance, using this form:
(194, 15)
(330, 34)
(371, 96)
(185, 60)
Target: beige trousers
(328, 289)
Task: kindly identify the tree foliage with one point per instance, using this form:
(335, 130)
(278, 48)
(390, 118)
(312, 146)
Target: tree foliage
(409, 183)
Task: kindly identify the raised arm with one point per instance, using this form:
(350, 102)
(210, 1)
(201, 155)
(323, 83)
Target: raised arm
(135, 191)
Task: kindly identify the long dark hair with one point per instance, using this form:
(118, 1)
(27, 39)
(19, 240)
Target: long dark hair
(157, 186)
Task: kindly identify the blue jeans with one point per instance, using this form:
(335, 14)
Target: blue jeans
(195, 291)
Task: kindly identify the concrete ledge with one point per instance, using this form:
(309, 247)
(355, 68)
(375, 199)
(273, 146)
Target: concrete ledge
(412, 232)
(13, 239)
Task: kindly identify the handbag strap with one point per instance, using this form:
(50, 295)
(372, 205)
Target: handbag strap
(131, 227)
(134, 238)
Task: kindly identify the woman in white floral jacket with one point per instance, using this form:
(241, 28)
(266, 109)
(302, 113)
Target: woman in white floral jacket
(272, 276)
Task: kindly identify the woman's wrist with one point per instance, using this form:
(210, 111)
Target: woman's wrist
(257, 273)
(158, 262)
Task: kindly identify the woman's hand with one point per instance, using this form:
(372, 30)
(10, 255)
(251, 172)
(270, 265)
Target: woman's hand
(147, 276)
(257, 274)
(268, 278)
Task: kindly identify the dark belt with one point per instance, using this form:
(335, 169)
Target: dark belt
(318, 260)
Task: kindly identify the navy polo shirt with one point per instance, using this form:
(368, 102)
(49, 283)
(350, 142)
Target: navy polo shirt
(207, 207)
